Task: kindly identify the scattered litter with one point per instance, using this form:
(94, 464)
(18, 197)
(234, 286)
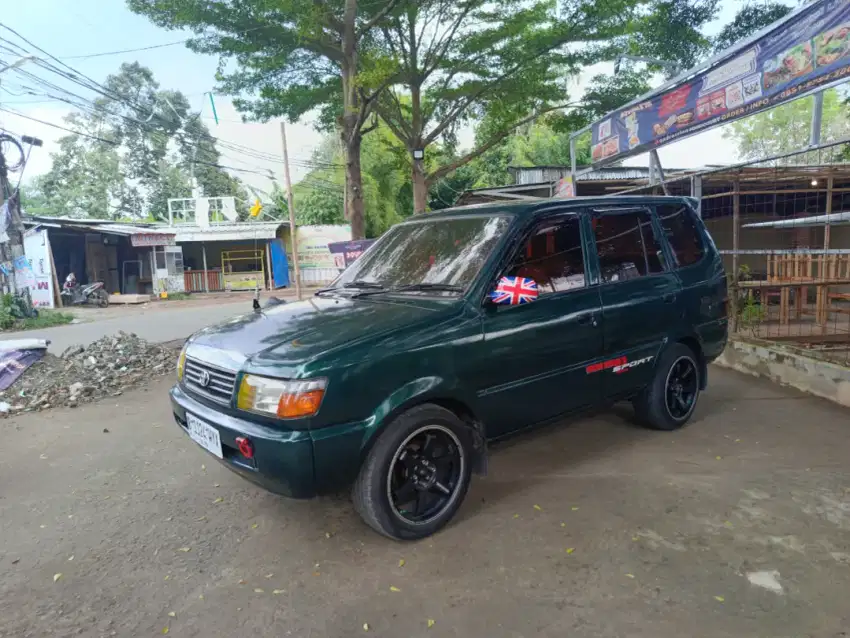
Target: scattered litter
(57, 576)
(259, 590)
(401, 563)
(106, 430)
(269, 575)
(516, 515)
(70, 558)
(767, 579)
(218, 500)
(538, 508)
(4, 407)
(719, 599)
(243, 582)
(365, 626)
(394, 588)
(185, 549)
(255, 526)
(278, 592)
(172, 614)
(431, 623)
(105, 367)
(42, 456)
(563, 524)
(575, 509)
(570, 550)
(718, 457)
(164, 630)
(630, 575)
(201, 597)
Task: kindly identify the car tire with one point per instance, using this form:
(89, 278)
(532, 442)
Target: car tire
(393, 467)
(668, 402)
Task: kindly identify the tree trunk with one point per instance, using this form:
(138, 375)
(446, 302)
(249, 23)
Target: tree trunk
(354, 192)
(352, 122)
(420, 187)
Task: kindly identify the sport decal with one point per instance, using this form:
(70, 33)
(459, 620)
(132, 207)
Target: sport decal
(617, 366)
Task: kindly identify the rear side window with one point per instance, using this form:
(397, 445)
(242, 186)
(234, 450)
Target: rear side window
(627, 246)
(682, 233)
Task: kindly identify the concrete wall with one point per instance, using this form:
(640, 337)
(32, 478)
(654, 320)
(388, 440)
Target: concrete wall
(786, 366)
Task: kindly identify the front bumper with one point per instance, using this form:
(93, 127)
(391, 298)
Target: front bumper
(283, 459)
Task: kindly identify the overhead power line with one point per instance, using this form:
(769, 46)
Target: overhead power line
(34, 119)
(105, 53)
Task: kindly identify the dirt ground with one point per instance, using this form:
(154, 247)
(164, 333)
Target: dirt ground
(738, 525)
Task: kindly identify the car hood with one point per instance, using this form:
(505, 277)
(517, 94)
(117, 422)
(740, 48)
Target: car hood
(295, 333)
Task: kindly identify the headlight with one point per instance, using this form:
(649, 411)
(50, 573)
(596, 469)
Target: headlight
(283, 399)
(181, 362)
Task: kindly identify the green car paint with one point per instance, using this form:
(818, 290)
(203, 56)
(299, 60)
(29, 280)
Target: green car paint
(501, 369)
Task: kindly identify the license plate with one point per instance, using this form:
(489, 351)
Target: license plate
(204, 435)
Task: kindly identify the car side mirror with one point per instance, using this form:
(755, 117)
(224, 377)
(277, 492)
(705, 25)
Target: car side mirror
(513, 291)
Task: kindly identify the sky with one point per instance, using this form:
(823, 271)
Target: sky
(84, 27)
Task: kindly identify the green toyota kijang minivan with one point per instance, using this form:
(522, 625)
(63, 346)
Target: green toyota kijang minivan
(393, 380)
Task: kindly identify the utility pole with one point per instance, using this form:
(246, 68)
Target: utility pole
(291, 205)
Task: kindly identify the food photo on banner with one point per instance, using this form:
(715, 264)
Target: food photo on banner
(807, 51)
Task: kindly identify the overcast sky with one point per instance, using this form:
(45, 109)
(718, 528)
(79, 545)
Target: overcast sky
(83, 27)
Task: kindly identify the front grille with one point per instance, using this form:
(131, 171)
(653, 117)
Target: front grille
(220, 385)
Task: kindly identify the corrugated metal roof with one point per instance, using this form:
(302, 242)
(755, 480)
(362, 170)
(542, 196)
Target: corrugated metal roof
(228, 231)
(538, 174)
(802, 222)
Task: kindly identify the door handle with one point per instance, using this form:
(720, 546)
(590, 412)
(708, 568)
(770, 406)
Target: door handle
(669, 297)
(588, 319)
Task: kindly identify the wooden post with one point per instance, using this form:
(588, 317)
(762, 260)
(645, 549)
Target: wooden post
(293, 231)
(206, 275)
(57, 292)
(823, 291)
(269, 276)
(736, 222)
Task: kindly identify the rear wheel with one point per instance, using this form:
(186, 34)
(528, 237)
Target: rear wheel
(416, 476)
(668, 402)
(102, 298)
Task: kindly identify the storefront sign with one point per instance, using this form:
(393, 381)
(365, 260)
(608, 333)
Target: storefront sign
(142, 240)
(346, 253)
(37, 269)
(810, 50)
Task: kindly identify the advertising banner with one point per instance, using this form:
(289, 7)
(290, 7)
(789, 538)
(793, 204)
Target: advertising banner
(313, 244)
(346, 253)
(810, 50)
(36, 265)
(564, 187)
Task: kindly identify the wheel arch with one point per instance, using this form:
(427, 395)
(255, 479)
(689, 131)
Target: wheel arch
(449, 401)
(693, 343)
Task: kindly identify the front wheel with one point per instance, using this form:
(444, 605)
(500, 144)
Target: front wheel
(101, 298)
(417, 474)
(671, 397)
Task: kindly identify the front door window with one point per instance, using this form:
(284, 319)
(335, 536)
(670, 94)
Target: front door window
(552, 256)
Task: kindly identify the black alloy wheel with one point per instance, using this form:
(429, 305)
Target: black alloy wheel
(681, 388)
(425, 474)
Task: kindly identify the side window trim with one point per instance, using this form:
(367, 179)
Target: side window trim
(595, 213)
(526, 234)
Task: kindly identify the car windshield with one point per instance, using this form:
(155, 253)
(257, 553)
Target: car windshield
(441, 255)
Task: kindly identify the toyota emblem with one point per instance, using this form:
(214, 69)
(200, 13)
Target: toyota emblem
(204, 379)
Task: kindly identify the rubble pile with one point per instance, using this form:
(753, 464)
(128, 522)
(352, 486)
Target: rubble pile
(106, 367)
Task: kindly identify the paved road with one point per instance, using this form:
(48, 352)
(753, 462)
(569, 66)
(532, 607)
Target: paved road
(157, 323)
(668, 531)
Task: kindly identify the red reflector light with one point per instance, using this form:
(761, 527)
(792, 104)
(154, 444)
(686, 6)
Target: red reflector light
(246, 448)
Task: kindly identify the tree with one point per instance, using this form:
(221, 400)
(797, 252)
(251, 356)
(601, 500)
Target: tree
(137, 148)
(453, 61)
(291, 56)
(751, 19)
(787, 127)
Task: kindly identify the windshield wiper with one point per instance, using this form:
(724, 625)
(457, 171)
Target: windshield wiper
(359, 283)
(429, 286)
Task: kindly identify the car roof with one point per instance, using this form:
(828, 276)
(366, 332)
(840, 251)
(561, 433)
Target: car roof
(544, 205)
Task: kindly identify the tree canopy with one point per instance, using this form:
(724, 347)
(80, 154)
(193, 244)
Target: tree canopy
(135, 150)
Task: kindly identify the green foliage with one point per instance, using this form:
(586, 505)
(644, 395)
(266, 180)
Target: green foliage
(17, 313)
(749, 20)
(788, 126)
(45, 319)
(158, 143)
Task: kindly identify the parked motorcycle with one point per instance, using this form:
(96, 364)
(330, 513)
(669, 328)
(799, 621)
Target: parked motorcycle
(73, 294)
